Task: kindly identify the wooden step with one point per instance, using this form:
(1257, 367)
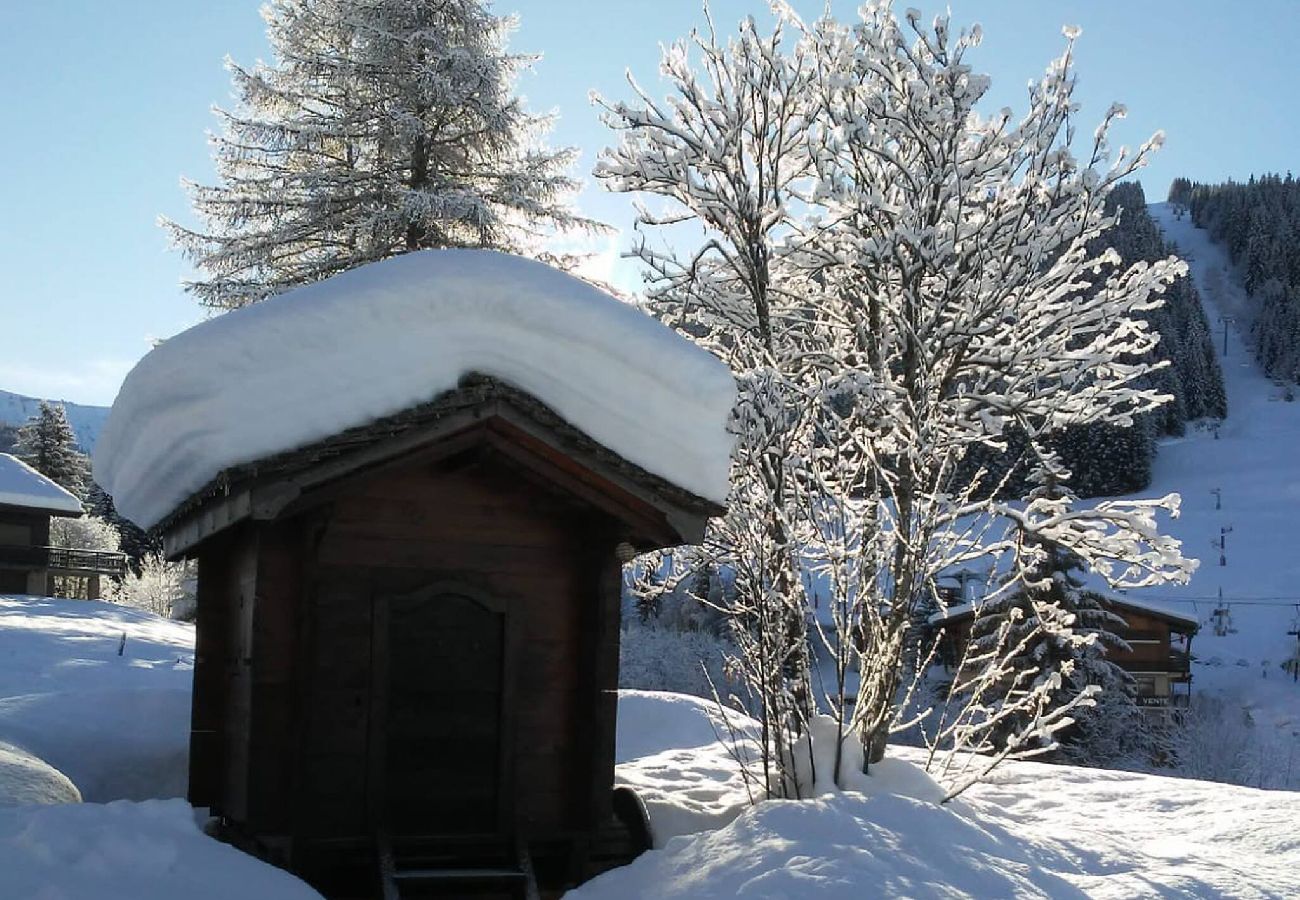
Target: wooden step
(425, 868)
(451, 874)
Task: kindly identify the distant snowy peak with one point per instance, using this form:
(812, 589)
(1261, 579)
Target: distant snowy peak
(86, 421)
(384, 337)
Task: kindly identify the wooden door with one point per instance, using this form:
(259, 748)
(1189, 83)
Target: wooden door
(437, 759)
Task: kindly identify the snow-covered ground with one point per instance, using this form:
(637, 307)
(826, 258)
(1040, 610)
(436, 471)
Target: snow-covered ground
(151, 850)
(1034, 831)
(117, 725)
(84, 713)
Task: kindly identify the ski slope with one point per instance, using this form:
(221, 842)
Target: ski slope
(1242, 475)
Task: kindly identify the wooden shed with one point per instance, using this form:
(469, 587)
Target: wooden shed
(407, 650)
(409, 488)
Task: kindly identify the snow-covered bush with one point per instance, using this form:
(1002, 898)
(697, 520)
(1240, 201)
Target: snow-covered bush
(1215, 738)
(85, 533)
(658, 658)
(161, 587)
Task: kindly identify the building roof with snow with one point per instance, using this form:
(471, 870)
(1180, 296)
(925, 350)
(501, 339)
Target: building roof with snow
(23, 486)
(961, 611)
(366, 347)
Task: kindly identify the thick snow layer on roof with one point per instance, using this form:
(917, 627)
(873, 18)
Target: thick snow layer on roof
(381, 338)
(21, 485)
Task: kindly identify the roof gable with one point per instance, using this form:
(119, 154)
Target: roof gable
(481, 413)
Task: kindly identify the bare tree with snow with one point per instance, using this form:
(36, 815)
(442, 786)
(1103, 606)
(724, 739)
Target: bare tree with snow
(381, 127)
(727, 150)
(897, 280)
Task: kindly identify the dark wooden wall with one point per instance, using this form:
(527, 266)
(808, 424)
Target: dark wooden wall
(36, 524)
(1148, 637)
(485, 526)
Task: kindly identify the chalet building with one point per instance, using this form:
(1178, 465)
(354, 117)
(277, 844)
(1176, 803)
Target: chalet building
(406, 667)
(1159, 658)
(28, 564)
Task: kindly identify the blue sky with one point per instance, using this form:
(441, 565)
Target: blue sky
(106, 106)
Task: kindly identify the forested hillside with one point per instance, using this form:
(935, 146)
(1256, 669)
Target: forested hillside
(1107, 459)
(1259, 224)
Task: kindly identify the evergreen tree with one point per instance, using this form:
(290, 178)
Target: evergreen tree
(135, 542)
(1259, 224)
(48, 444)
(384, 126)
(1056, 628)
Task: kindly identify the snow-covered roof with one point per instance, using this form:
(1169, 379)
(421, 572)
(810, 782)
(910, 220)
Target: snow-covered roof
(21, 485)
(381, 338)
(1155, 607)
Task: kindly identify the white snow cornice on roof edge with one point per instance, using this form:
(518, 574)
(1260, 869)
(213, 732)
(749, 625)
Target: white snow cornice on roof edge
(381, 338)
(21, 485)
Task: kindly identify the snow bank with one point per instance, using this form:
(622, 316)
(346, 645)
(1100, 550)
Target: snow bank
(116, 724)
(26, 780)
(1035, 831)
(128, 851)
(21, 485)
(673, 750)
(381, 338)
(839, 847)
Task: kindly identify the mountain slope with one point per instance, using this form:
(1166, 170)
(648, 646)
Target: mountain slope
(1243, 475)
(86, 421)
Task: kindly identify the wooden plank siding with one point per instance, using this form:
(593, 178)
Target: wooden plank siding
(482, 525)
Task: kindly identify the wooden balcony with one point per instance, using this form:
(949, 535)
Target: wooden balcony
(63, 559)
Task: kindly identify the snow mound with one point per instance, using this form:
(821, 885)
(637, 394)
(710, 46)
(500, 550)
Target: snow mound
(128, 851)
(839, 847)
(384, 337)
(673, 750)
(1034, 830)
(681, 755)
(26, 780)
(21, 485)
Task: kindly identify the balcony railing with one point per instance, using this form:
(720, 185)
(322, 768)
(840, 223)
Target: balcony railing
(63, 559)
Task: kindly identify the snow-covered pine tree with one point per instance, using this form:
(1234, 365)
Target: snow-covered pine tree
(1259, 224)
(382, 126)
(1056, 626)
(48, 444)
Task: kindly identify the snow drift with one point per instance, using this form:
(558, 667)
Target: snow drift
(381, 338)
